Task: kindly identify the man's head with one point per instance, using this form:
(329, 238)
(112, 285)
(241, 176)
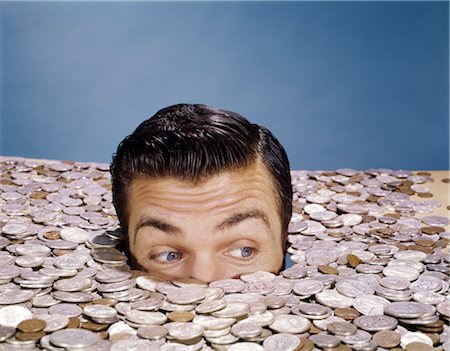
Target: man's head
(202, 193)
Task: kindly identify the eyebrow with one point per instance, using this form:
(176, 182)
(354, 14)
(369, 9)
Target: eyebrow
(227, 223)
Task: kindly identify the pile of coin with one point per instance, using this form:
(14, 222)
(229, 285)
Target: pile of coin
(370, 271)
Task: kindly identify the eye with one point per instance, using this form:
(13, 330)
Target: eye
(243, 253)
(166, 257)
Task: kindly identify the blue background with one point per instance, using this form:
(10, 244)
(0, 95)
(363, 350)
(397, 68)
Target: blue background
(341, 84)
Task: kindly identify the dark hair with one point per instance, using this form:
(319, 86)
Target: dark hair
(193, 143)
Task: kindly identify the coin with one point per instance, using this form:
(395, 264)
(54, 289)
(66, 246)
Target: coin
(375, 322)
(387, 338)
(282, 342)
(31, 325)
(73, 338)
(290, 324)
(358, 241)
(12, 316)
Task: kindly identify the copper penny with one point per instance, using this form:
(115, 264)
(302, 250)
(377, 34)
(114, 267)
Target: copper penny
(180, 316)
(373, 198)
(386, 338)
(96, 327)
(60, 252)
(427, 250)
(314, 330)
(434, 337)
(32, 325)
(353, 260)
(306, 345)
(392, 215)
(52, 235)
(103, 335)
(74, 322)
(368, 218)
(432, 230)
(39, 195)
(346, 313)
(426, 243)
(418, 346)
(327, 269)
(425, 195)
(29, 336)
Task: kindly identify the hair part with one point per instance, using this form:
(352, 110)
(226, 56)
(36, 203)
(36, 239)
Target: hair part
(193, 142)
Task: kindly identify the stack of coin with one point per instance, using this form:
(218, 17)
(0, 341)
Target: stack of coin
(370, 270)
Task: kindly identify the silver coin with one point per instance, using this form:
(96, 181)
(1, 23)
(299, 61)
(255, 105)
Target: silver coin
(6, 332)
(74, 338)
(11, 316)
(186, 295)
(54, 322)
(342, 328)
(375, 322)
(66, 309)
(245, 346)
(282, 342)
(290, 324)
(152, 332)
(308, 287)
(15, 297)
(100, 311)
(405, 309)
(184, 330)
(245, 329)
(325, 340)
(137, 345)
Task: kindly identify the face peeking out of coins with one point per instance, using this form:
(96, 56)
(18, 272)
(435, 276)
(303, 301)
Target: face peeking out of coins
(202, 193)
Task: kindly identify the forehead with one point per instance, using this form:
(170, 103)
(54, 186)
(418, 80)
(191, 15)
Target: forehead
(250, 184)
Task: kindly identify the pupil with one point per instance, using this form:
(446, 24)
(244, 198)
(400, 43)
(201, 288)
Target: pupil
(171, 256)
(246, 252)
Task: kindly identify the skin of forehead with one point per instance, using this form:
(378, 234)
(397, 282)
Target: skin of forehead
(217, 195)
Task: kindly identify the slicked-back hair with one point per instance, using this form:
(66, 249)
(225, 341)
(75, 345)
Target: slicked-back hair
(193, 142)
